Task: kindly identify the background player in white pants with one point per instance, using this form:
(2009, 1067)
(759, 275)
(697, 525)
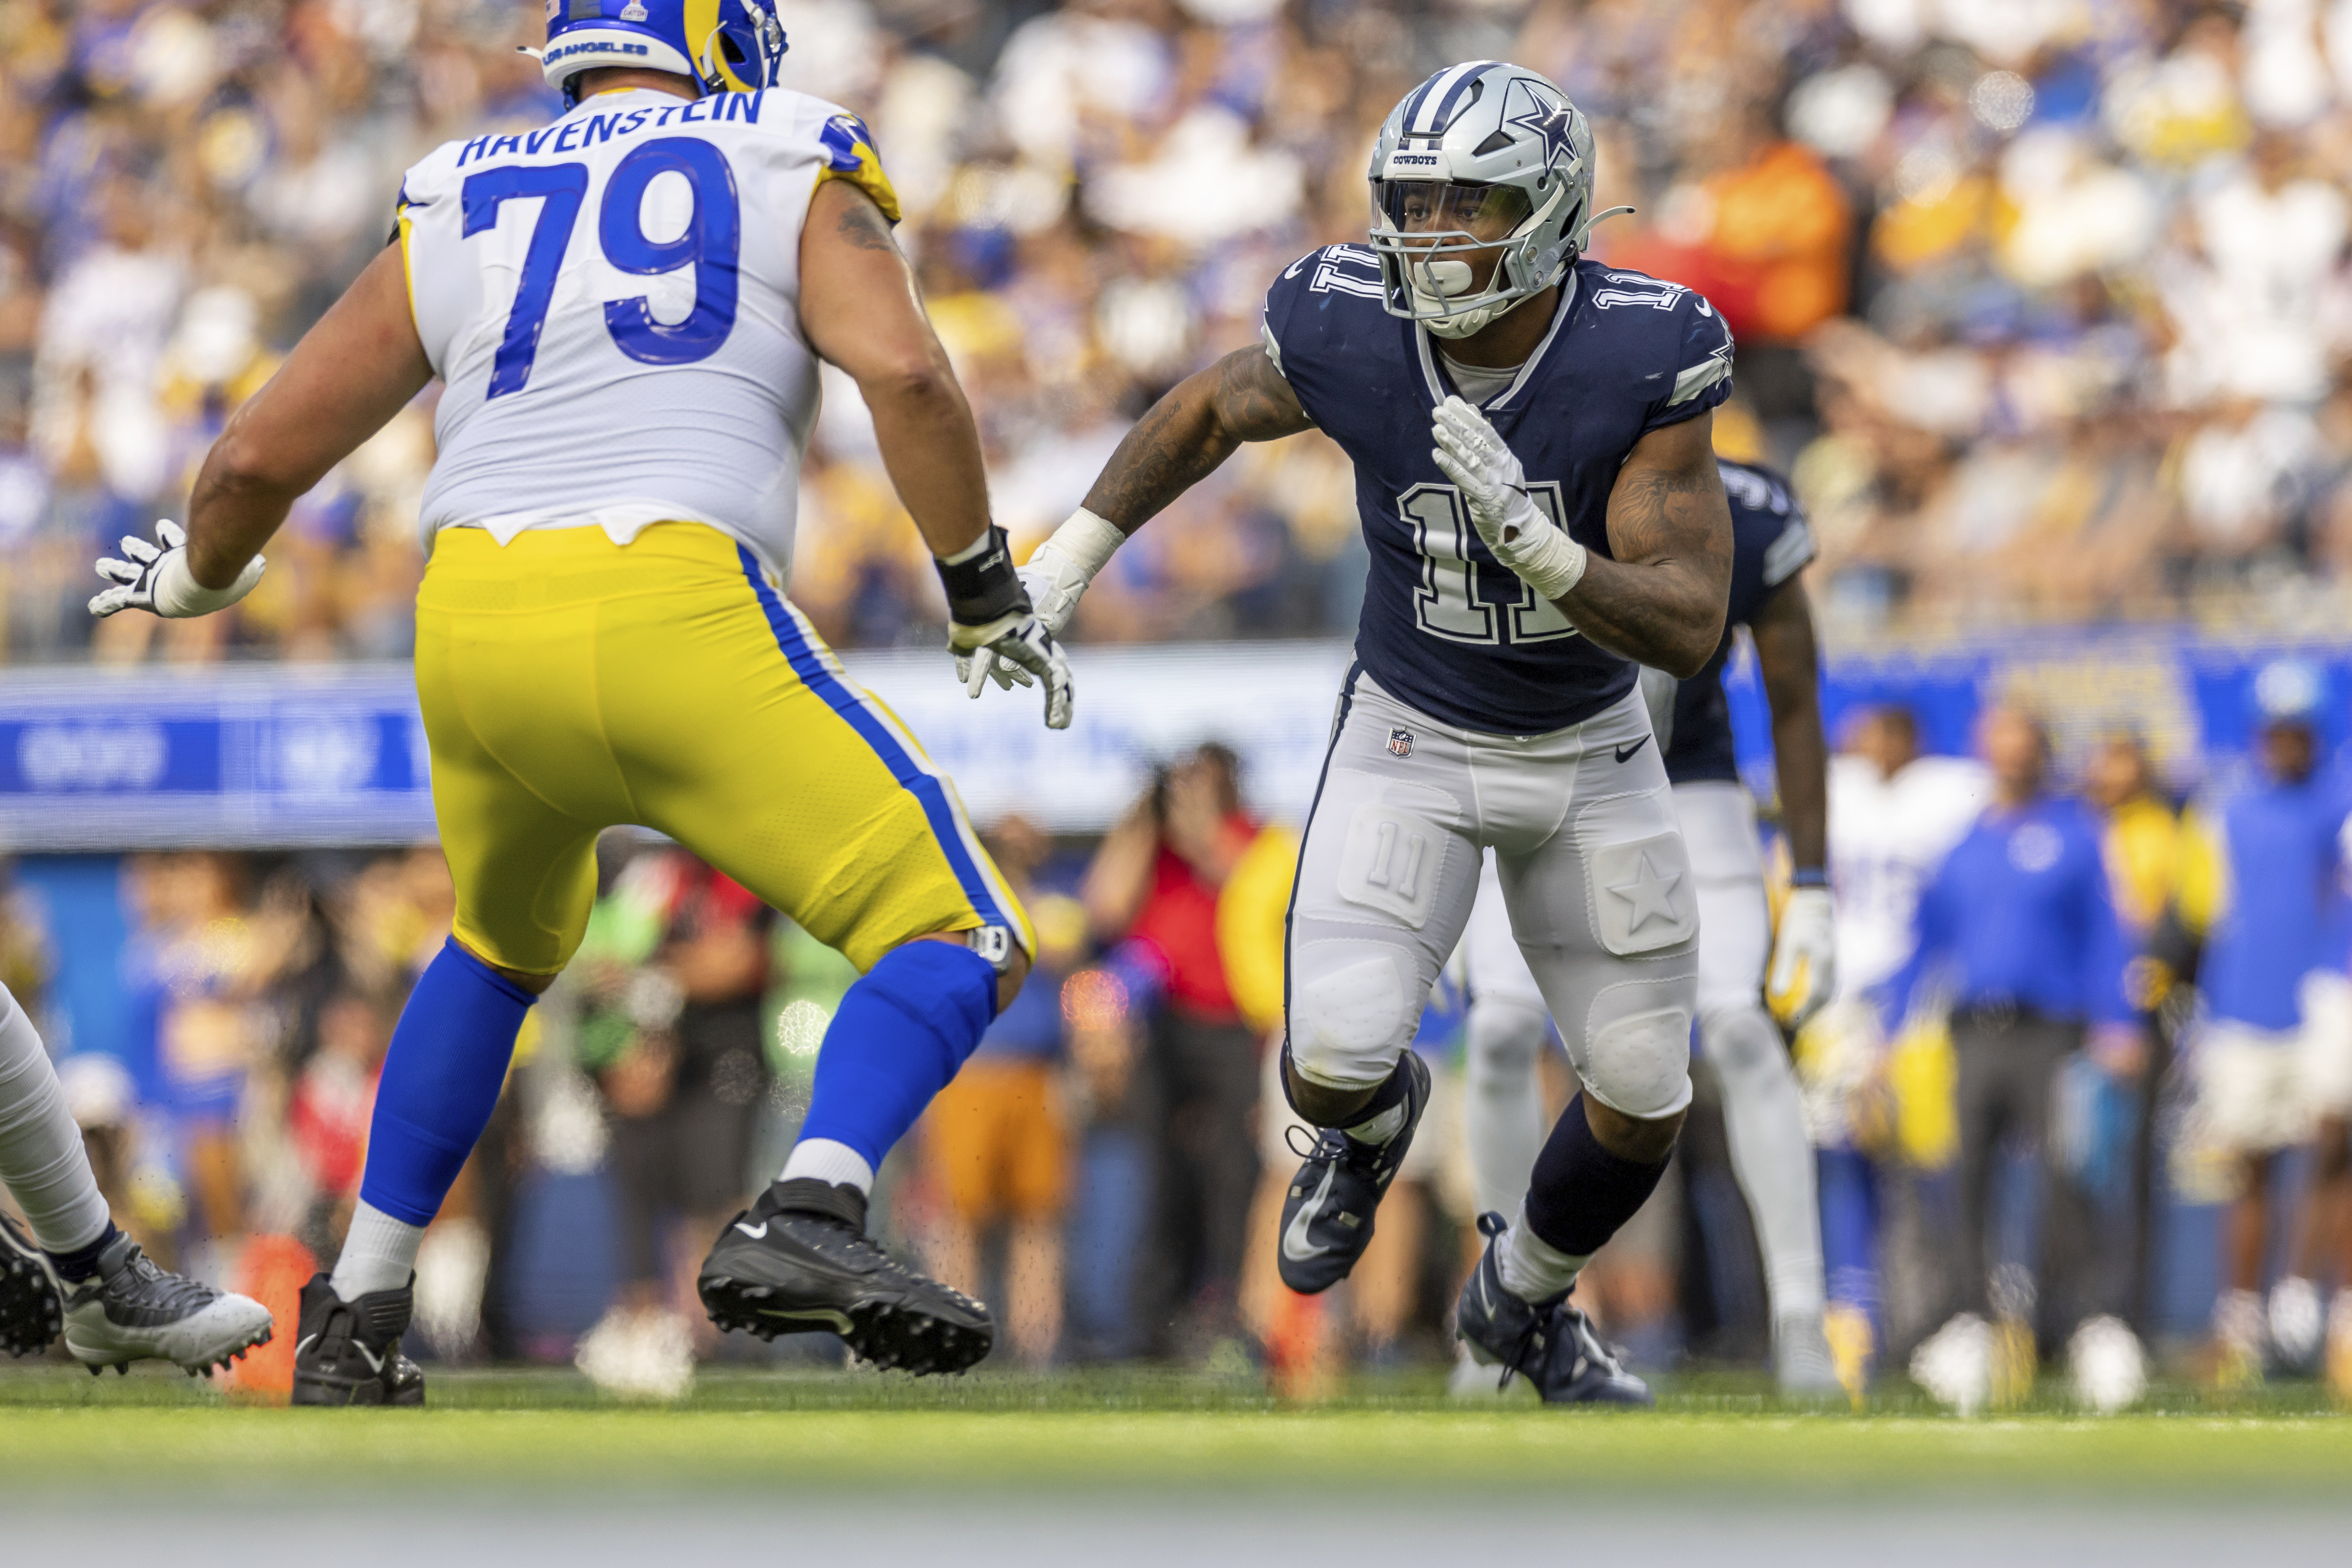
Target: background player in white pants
(77, 1272)
(1764, 1114)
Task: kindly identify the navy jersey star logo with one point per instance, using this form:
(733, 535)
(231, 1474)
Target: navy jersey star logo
(1550, 121)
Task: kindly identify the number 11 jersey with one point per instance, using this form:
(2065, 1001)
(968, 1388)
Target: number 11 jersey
(1445, 626)
(613, 300)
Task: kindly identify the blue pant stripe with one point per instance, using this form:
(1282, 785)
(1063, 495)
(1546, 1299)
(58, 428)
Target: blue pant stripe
(811, 668)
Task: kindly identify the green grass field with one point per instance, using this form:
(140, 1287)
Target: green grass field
(860, 1432)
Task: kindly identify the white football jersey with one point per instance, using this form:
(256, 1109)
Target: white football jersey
(613, 303)
(1887, 838)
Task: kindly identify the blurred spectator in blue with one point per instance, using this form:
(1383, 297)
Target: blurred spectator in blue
(2020, 925)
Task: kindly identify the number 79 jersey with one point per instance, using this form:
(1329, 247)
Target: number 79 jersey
(613, 303)
(1445, 626)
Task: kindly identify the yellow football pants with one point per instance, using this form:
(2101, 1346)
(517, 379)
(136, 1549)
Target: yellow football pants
(570, 684)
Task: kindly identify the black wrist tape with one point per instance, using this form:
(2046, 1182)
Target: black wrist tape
(984, 587)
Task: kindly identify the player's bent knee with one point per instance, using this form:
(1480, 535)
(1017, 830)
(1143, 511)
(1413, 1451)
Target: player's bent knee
(1636, 1057)
(1742, 1042)
(1503, 1040)
(1352, 1010)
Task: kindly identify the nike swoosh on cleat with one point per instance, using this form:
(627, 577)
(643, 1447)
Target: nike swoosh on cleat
(1626, 752)
(758, 1235)
(1294, 1245)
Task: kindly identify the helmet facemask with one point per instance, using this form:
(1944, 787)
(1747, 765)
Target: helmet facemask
(1432, 237)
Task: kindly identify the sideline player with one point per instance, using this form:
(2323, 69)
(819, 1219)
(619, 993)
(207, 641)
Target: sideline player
(1771, 1151)
(76, 1274)
(627, 307)
(1568, 523)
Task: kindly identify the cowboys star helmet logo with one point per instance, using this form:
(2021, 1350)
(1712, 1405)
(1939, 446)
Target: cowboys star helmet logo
(1400, 742)
(1551, 121)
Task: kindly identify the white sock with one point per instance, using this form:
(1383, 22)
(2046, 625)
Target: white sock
(1501, 1114)
(1533, 1269)
(42, 1160)
(379, 1253)
(827, 1161)
(1772, 1153)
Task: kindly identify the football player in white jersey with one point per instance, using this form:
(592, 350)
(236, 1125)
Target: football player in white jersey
(626, 307)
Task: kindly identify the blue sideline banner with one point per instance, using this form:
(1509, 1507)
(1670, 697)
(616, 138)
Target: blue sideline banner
(290, 756)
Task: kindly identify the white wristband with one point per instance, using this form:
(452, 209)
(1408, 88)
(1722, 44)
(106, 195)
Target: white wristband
(1059, 570)
(1087, 542)
(1553, 562)
(178, 595)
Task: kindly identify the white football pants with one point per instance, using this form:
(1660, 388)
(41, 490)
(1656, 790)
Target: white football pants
(42, 1160)
(1590, 868)
(1771, 1152)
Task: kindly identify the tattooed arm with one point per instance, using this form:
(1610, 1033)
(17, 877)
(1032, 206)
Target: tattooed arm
(859, 310)
(1661, 600)
(1183, 437)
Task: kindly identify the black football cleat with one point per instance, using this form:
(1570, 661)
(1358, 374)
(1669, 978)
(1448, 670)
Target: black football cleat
(1550, 1343)
(799, 1259)
(32, 1313)
(1326, 1215)
(348, 1353)
(132, 1309)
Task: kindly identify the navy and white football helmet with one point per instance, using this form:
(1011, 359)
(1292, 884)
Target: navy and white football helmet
(1479, 156)
(728, 45)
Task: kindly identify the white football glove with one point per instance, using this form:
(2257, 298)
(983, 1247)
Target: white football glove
(1483, 466)
(156, 577)
(1021, 647)
(1055, 577)
(1804, 957)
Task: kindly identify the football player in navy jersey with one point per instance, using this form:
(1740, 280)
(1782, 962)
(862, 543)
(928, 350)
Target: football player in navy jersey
(1771, 1151)
(1530, 434)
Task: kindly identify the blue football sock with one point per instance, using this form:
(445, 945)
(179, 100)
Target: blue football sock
(441, 1079)
(1849, 1188)
(901, 1034)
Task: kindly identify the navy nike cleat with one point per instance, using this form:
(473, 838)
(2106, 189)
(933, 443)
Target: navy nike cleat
(799, 1259)
(348, 1353)
(1326, 1215)
(32, 1314)
(131, 1309)
(1549, 1343)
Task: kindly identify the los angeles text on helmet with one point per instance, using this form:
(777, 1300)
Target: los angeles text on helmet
(571, 136)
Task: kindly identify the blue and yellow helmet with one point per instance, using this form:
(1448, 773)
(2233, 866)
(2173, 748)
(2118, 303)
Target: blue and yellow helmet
(728, 45)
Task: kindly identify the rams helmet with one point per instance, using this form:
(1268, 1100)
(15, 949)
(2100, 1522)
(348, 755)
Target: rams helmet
(1479, 157)
(728, 45)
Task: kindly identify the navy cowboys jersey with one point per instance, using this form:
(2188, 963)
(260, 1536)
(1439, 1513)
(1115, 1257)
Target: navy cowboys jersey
(1770, 542)
(1446, 628)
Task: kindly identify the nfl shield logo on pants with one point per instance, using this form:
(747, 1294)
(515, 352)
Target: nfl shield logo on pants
(1400, 742)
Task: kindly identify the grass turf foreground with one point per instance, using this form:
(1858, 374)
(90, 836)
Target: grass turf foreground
(758, 1432)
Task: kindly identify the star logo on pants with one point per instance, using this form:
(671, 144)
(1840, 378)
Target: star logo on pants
(1651, 892)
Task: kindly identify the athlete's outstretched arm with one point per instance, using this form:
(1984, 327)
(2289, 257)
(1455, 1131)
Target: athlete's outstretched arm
(1178, 443)
(1185, 435)
(1786, 656)
(1661, 602)
(860, 311)
(349, 374)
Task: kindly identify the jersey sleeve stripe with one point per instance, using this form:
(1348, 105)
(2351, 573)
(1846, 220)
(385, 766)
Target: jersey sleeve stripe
(1697, 378)
(819, 674)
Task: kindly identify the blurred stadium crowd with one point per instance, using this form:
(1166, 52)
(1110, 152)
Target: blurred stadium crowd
(2043, 303)
(1108, 1169)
